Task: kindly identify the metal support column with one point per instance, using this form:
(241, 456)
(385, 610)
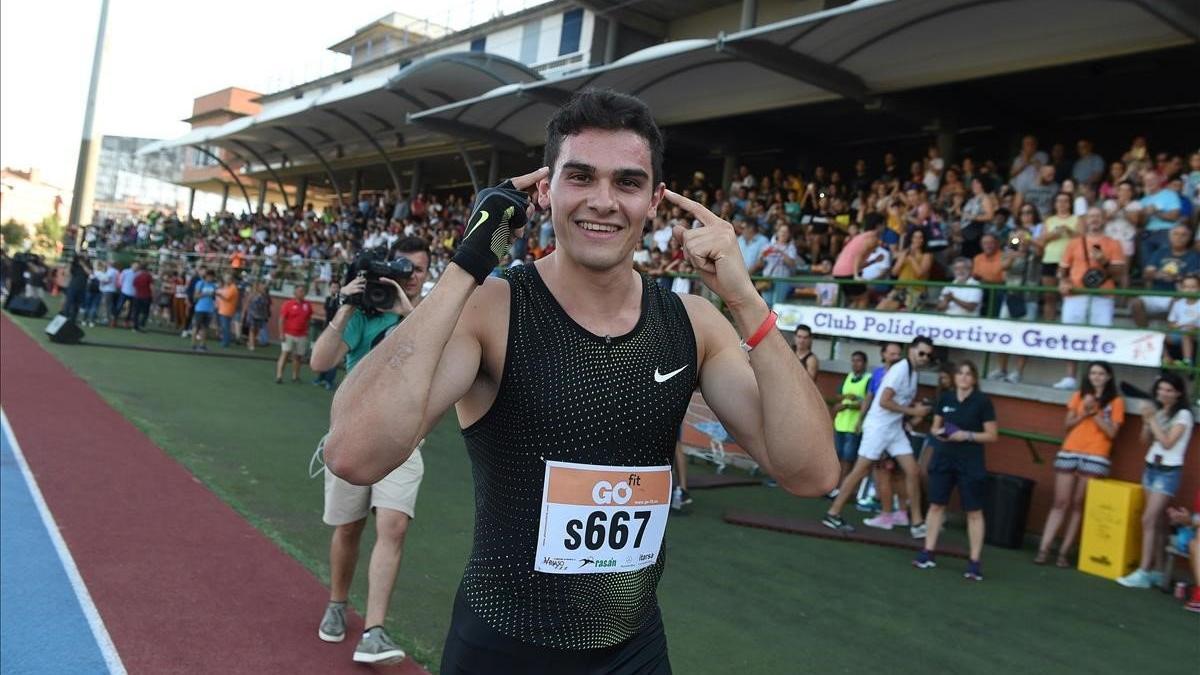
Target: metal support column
(728, 171)
(232, 174)
(225, 197)
(946, 144)
(312, 150)
(191, 202)
(494, 168)
(262, 195)
(301, 193)
(355, 187)
(263, 160)
(749, 14)
(610, 40)
(462, 150)
(416, 180)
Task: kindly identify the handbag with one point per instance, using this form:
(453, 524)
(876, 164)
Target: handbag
(1092, 278)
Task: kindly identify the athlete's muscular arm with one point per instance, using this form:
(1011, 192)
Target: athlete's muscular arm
(770, 405)
(401, 388)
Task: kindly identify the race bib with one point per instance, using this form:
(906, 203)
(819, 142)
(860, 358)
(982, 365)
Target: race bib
(602, 518)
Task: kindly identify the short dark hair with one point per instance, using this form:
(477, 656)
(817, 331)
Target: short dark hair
(861, 355)
(803, 327)
(411, 245)
(883, 347)
(608, 110)
(921, 340)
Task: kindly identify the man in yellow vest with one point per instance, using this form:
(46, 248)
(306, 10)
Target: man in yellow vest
(848, 413)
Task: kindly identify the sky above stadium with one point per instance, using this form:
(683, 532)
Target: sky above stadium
(161, 55)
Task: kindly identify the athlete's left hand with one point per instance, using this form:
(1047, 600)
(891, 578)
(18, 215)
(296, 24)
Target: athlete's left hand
(713, 251)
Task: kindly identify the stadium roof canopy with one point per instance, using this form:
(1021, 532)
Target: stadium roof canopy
(358, 116)
(862, 52)
(865, 52)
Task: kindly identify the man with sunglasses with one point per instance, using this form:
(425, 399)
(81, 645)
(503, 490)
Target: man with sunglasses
(883, 431)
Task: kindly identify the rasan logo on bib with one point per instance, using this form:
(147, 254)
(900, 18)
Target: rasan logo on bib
(597, 519)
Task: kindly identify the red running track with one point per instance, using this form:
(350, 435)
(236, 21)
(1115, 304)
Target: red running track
(183, 583)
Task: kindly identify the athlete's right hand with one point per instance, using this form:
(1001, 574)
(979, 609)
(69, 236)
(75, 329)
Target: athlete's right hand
(497, 217)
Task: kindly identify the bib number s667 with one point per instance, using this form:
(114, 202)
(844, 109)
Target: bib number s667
(601, 518)
(593, 534)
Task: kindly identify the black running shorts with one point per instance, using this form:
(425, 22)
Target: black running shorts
(473, 647)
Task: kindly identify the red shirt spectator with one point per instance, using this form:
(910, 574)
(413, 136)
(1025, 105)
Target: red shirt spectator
(296, 315)
(143, 285)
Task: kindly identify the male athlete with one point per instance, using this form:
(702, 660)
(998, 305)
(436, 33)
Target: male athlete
(570, 378)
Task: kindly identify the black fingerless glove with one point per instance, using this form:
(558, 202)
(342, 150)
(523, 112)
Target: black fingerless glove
(497, 212)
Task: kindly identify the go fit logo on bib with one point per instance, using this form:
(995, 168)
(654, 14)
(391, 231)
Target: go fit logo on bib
(611, 488)
(604, 492)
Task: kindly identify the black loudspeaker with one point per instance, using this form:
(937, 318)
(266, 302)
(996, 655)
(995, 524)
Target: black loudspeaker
(64, 331)
(27, 305)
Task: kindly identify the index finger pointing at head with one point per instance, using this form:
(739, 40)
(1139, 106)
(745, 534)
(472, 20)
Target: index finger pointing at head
(530, 179)
(698, 210)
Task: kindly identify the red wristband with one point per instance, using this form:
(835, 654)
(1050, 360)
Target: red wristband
(766, 326)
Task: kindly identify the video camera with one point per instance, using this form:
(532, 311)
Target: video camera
(373, 264)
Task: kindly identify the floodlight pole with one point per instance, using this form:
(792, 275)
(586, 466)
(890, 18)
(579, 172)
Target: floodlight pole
(89, 145)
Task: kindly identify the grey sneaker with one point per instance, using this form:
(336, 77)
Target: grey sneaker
(333, 624)
(376, 646)
(918, 531)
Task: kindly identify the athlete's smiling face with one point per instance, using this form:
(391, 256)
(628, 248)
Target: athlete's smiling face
(600, 194)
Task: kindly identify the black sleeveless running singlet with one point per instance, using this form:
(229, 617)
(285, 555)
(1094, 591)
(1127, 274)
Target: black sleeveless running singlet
(569, 395)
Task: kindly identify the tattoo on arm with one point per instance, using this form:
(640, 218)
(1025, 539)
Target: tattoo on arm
(401, 352)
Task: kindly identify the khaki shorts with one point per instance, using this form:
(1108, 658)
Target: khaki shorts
(346, 503)
(293, 344)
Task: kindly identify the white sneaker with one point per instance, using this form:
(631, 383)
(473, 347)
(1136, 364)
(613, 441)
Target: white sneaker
(1138, 578)
(996, 374)
(1067, 383)
(1013, 377)
(918, 531)
(882, 521)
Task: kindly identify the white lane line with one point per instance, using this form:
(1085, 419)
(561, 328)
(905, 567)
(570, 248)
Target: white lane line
(99, 632)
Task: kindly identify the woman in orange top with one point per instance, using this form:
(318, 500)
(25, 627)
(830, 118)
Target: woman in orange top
(1094, 416)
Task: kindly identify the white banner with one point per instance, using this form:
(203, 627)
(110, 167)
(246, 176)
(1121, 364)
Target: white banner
(1135, 347)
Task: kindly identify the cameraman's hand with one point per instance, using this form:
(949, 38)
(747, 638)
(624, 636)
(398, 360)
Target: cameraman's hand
(403, 306)
(356, 286)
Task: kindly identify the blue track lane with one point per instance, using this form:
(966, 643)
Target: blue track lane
(43, 626)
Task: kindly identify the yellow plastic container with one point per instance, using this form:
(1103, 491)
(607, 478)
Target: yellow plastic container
(1112, 528)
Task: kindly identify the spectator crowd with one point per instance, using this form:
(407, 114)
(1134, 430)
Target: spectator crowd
(1074, 225)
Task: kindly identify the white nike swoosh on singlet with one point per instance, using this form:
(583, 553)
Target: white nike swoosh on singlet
(660, 378)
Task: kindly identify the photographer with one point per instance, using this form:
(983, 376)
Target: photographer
(77, 286)
(354, 329)
(1089, 262)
